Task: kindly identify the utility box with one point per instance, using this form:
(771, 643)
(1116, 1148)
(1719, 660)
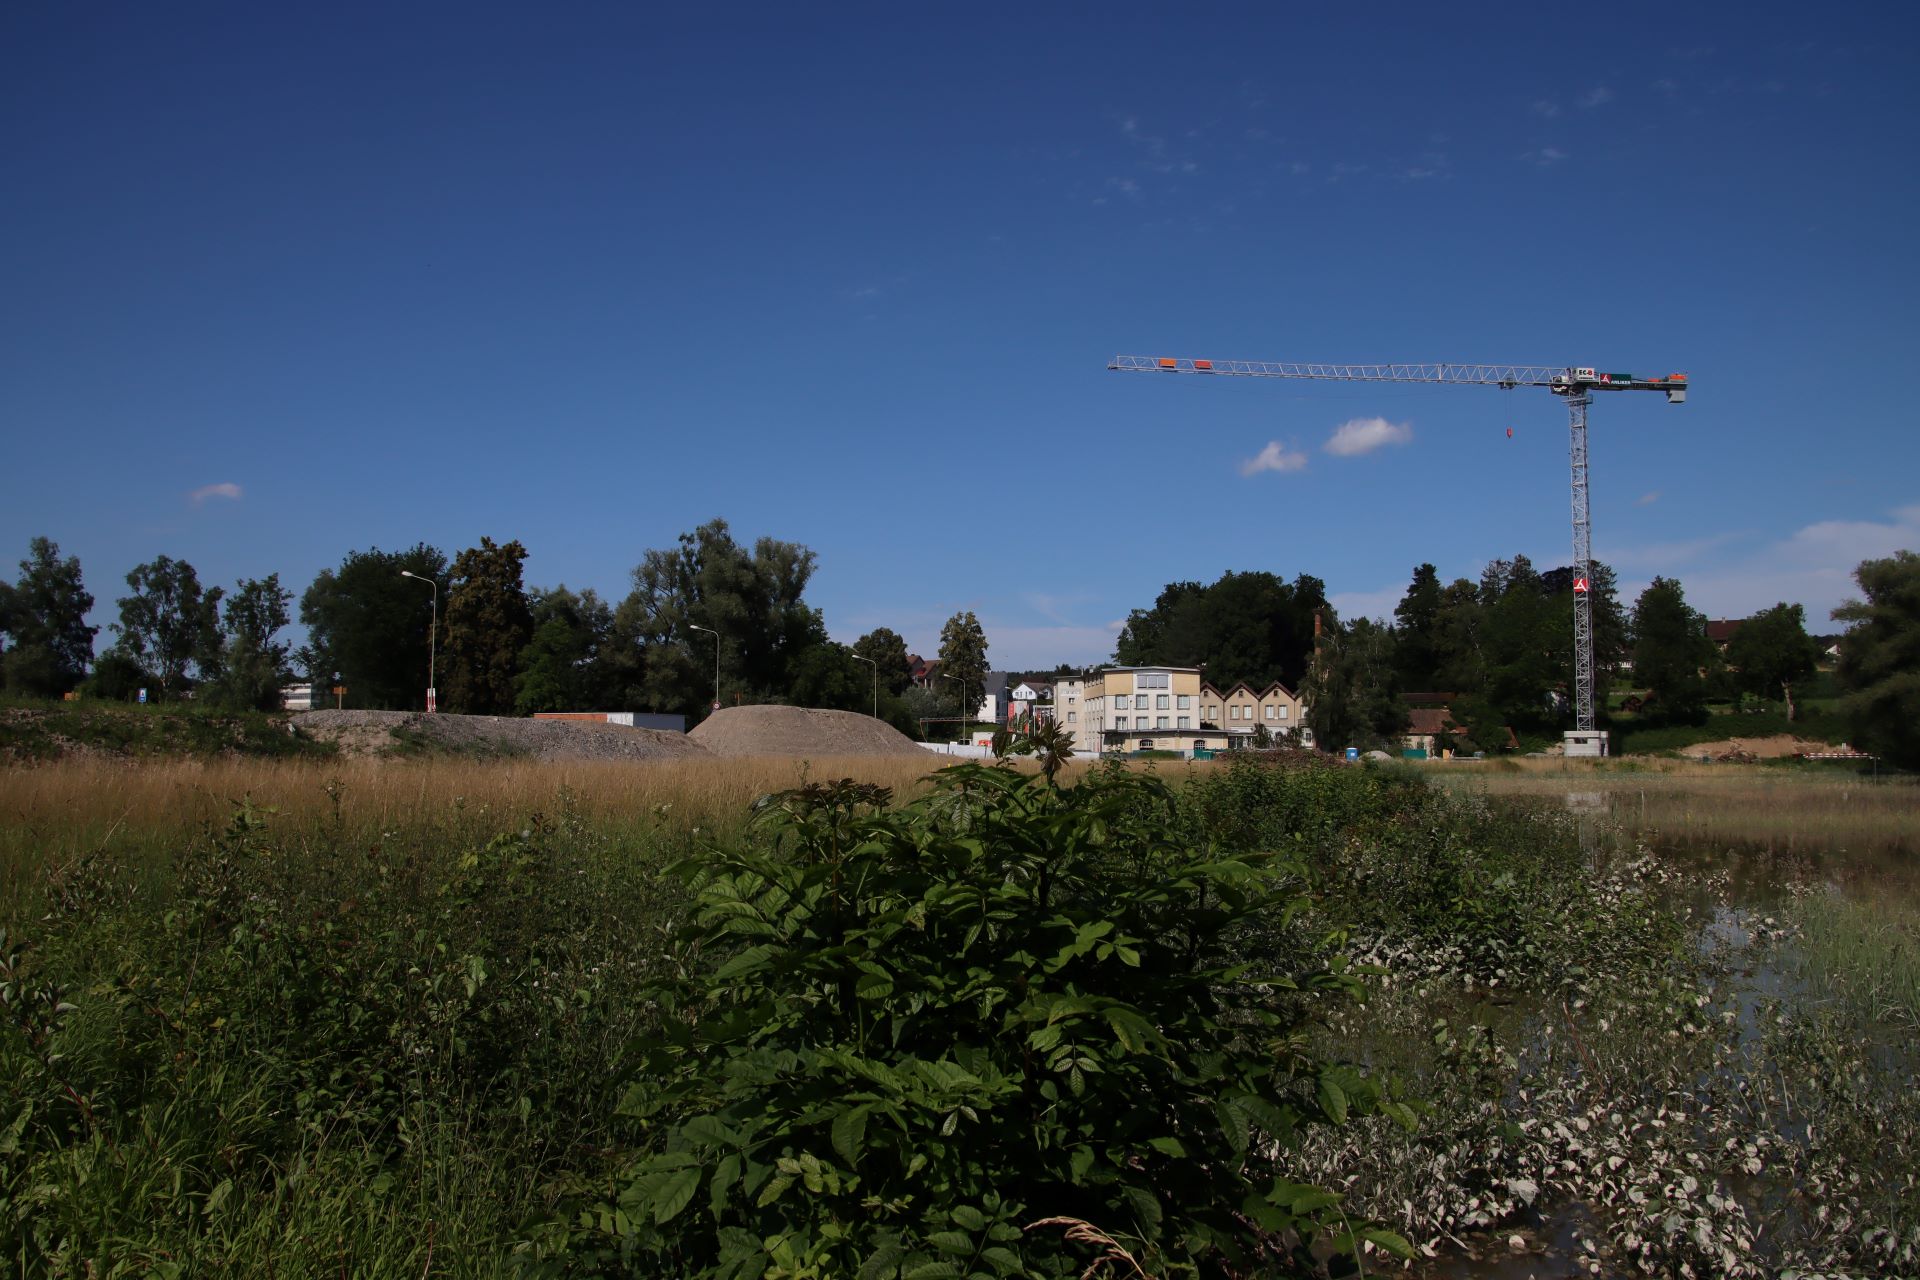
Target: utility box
(1584, 742)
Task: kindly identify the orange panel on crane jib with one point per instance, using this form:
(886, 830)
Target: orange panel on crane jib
(1207, 365)
(1168, 364)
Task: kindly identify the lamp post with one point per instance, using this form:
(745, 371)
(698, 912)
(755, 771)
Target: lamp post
(716, 660)
(963, 700)
(433, 637)
(876, 681)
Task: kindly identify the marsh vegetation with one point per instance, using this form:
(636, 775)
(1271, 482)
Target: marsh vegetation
(504, 1018)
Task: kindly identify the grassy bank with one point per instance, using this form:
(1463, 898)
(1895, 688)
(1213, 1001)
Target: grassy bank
(39, 731)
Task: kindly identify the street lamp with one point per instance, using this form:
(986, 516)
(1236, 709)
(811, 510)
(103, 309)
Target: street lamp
(433, 635)
(963, 700)
(716, 660)
(876, 681)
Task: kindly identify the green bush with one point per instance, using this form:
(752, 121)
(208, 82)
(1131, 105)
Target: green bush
(1007, 1030)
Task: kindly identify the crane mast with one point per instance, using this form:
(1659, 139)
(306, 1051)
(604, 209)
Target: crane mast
(1575, 383)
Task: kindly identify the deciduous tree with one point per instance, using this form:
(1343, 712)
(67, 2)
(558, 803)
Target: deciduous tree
(486, 623)
(370, 624)
(963, 656)
(753, 600)
(1773, 652)
(253, 664)
(1880, 658)
(1671, 650)
(1352, 691)
(1245, 626)
(44, 618)
(169, 624)
(564, 665)
(888, 652)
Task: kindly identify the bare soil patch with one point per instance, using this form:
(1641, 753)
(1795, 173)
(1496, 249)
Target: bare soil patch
(1778, 746)
(372, 732)
(800, 731)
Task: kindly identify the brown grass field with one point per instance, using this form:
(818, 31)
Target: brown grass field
(57, 811)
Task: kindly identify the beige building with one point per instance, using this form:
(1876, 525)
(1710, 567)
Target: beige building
(1242, 710)
(1138, 709)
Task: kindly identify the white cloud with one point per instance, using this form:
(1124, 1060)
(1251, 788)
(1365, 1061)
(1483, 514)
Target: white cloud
(1546, 108)
(1546, 156)
(1647, 499)
(205, 491)
(1813, 566)
(1598, 96)
(1364, 435)
(1275, 457)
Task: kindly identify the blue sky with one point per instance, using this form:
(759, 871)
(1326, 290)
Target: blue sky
(276, 284)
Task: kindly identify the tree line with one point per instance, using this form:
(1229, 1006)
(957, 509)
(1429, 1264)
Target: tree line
(500, 647)
(1501, 648)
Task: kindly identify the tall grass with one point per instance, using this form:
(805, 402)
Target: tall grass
(1807, 809)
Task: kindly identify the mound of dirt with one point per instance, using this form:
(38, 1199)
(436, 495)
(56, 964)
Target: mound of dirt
(1773, 748)
(800, 731)
(370, 732)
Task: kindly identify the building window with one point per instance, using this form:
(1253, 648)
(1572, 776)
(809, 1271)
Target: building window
(1071, 715)
(1146, 744)
(1160, 722)
(1283, 713)
(1071, 699)
(1160, 702)
(1150, 680)
(1270, 714)
(1186, 701)
(1120, 722)
(1119, 702)
(1186, 722)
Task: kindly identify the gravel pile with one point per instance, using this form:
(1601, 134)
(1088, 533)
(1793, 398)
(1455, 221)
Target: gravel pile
(800, 731)
(368, 732)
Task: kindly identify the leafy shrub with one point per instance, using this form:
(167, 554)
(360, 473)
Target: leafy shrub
(990, 1033)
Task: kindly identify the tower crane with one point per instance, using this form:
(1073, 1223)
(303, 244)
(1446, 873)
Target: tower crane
(1575, 384)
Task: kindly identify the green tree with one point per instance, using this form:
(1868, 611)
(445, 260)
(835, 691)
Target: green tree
(1879, 670)
(1772, 651)
(888, 652)
(1526, 642)
(753, 600)
(825, 675)
(370, 624)
(486, 622)
(1416, 622)
(44, 619)
(563, 667)
(1352, 691)
(253, 664)
(1671, 651)
(169, 624)
(1246, 626)
(963, 656)
(1457, 626)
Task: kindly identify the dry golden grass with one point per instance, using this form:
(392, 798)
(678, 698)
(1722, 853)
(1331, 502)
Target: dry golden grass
(1683, 801)
(186, 793)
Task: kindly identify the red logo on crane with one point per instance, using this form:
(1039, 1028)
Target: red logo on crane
(1580, 585)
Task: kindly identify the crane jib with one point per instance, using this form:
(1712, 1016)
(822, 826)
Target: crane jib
(1562, 379)
(1573, 382)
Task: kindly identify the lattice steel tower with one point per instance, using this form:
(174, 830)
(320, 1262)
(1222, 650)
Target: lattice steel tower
(1574, 383)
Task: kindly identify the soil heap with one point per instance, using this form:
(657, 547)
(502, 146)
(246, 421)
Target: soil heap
(800, 731)
(368, 732)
